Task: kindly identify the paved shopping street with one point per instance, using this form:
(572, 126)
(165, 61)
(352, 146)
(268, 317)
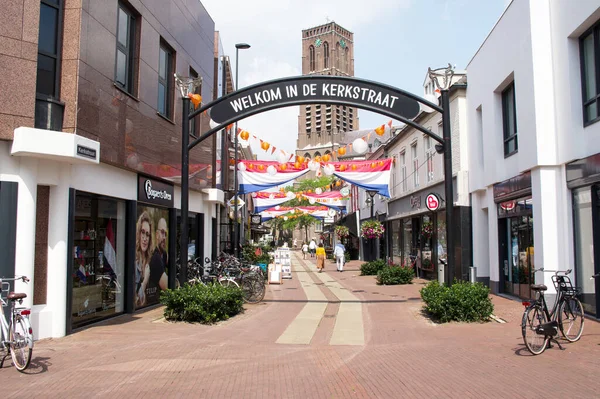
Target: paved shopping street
(318, 335)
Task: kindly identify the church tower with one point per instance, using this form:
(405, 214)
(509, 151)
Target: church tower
(326, 50)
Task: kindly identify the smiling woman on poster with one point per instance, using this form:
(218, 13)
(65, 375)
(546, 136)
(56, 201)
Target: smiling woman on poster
(143, 243)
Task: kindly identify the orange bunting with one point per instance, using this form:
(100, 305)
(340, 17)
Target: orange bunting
(341, 151)
(339, 182)
(264, 145)
(300, 159)
(353, 167)
(244, 135)
(261, 167)
(273, 149)
(380, 163)
(297, 165)
(373, 165)
(283, 167)
(326, 158)
(196, 99)
(380, 130)
(317, 159)
(343, 168)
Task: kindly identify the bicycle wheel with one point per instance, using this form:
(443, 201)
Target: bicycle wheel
(254, 289)
(570, 319)
(533, 317)
(226, 282)
(21, 343)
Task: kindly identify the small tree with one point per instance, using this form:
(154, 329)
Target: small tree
(304, 222)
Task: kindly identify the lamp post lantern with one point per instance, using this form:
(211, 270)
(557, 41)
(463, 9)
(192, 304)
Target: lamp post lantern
(236, 226)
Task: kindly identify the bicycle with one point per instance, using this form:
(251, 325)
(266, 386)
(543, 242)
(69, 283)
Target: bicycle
(540, 326)
(17, 336)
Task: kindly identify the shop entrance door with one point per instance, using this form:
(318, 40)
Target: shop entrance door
(517, 255)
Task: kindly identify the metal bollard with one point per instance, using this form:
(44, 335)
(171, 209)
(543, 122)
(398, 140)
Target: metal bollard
(473, 274)
(441, 265)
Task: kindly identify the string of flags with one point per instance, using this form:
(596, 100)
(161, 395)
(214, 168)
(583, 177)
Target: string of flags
(359, 145)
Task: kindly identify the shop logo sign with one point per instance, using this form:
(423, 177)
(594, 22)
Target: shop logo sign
(154, 194)
(154, 191)
(432, 202)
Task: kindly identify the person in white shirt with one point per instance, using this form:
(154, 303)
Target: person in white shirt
(304, 250)
(313, 248)
(339, 256)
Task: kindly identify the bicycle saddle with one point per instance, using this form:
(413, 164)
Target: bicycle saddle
(539, 287)
(13, 296)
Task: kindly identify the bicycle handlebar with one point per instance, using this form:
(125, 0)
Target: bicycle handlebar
(541, 269)
(23, 278)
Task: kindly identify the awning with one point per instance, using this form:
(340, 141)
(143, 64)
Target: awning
(57, 146)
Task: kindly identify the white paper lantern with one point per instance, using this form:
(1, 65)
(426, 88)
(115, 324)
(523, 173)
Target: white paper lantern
(319, 191)
(282, 157)
(312, 165)
(432, 99)
(242, 166)
(359, 146)
(213, 124)
(293, 211)
(311, 201)
(271, 196)
(254, 195)
(290, 195)
(277, 208)
(328, 170)
(271, 170)
(285, 218)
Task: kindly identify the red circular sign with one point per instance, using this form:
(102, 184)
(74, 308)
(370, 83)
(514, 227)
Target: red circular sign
(432, 202)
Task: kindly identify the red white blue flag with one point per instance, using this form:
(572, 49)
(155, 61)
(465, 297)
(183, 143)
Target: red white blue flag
(110, 255)
(261, 175)
(368, 175)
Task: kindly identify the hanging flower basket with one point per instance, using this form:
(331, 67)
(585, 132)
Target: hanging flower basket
(427, 230)
(341, 232)
(371, 229)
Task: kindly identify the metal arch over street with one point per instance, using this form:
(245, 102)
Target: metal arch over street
(319, 89)
(360, 93)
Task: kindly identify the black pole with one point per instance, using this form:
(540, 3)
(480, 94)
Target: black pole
(185, 176)
(449, 271)
(236, 226)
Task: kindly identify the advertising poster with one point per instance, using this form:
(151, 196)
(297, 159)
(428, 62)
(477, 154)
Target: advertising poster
(151, 255)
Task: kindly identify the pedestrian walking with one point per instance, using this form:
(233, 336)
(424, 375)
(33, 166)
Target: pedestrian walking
(312, 247)
(339, 256)
(320, 253)
(304, 250)
(295, 244)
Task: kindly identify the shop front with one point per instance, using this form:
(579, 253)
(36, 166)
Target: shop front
(417, 232)
(583, 179)
(515, 235)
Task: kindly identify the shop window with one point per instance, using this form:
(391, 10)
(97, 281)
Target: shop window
(509, 120)
(151, 255)
(583, 221)
(40, 271)
(98, 258)
(49, 49)
(589, 45)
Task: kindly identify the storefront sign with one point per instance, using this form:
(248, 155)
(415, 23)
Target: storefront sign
(327, 89)
(86, 152)
(514, 187)
(255, 219)
(415, 201)
(432, 202)
(155, 192)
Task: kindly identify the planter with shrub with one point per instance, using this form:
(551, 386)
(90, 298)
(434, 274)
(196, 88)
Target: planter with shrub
(372, 268)
(463, 301)
(202, 303)
(394, 275)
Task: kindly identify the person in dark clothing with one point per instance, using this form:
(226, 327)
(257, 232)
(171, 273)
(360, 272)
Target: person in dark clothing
(158, 278)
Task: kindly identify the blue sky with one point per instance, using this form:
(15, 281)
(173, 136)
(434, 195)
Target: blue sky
(394, 43)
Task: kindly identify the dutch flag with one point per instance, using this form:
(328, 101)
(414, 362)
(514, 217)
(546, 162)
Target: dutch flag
(110, 255)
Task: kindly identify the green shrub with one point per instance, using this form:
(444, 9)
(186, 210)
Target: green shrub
(463, 301)
(394, 274)
(372, 268)
(249, 254)
(202, 303)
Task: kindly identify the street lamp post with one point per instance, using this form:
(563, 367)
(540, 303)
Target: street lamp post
(446, 74)
(186, 87)
(236, 226)
(371, 201)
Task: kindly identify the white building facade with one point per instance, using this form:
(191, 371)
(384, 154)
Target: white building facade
(534, 152)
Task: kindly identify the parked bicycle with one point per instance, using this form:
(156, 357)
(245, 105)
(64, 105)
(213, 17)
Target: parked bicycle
(17, 335)
(540, 326)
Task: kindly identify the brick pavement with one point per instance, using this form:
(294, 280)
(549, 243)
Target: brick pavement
(404, 355)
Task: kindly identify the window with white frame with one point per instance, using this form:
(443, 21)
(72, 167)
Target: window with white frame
(415, 161)
(429, 158)
(403, 170)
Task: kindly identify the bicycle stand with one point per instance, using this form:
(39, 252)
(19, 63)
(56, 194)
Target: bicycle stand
(552, 339)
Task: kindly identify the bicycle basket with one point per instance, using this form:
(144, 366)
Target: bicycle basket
(563, 283)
